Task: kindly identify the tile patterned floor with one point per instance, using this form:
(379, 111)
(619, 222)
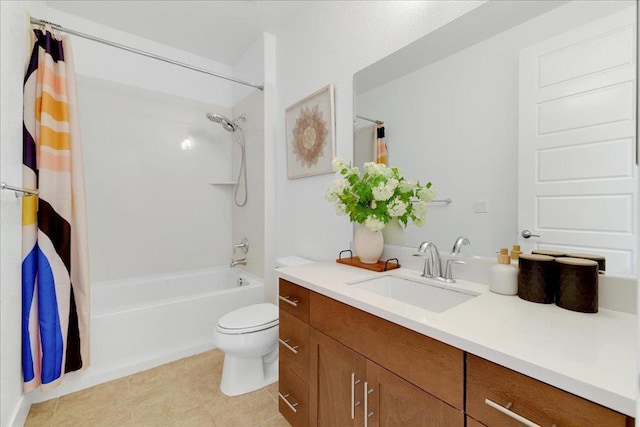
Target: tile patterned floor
(182, 393)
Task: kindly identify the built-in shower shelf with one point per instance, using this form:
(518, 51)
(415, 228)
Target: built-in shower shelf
(223, 183)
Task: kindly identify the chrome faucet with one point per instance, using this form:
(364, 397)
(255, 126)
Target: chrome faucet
(448, 271)
(432, 264)
(242, 261)
(462, 240)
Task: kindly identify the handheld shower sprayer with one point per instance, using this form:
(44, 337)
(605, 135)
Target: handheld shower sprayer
(233, 127)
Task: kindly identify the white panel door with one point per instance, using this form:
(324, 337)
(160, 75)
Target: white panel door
(577, 183)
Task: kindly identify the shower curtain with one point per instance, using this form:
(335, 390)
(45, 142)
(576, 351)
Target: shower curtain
(55, 268)
(381, 145)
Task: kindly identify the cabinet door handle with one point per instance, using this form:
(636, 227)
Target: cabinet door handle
(292, 406)
(293, 348)
(510, 413)
(367, 414)
(288, 300)
(354, 381)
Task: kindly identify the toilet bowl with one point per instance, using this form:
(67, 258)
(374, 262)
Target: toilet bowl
(248, 337)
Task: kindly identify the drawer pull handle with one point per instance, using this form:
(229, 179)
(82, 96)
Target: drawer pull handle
(288, 300)
(353, 395)
(367, 414)
(293, 348)
(509, 413)
(292, 406)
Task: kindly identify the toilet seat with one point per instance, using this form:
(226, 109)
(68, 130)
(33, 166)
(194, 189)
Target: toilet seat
(252, 318)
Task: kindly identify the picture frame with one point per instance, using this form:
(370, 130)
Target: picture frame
(310, 135)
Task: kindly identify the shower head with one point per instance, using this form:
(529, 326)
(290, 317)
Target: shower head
(227, 124)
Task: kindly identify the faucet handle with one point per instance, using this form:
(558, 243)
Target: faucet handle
(448, 271)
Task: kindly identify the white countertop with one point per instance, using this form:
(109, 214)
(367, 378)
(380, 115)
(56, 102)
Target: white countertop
(591, 355)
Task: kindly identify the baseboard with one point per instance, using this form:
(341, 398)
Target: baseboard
(21, 412)
(77, 381)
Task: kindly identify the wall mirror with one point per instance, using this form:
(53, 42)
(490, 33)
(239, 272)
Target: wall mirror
(524, 114)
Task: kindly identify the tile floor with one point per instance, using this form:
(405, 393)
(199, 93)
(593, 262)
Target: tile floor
(181, 393)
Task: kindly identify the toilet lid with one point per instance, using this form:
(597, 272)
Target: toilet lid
(251, 318)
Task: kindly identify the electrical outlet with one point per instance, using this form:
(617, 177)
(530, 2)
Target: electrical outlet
(480, 206)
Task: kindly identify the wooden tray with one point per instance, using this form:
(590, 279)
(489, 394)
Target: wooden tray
(378, 267)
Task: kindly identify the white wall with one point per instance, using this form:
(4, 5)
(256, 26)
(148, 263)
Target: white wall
(13, 53)
(327, 43)
(150, 206)
(105, 62)
(248, 220)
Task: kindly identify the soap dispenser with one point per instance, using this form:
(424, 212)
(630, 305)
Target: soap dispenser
(503, 277)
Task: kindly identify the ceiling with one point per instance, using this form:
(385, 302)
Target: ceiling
(218, 30)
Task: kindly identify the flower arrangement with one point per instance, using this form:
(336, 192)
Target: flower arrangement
(378, 196)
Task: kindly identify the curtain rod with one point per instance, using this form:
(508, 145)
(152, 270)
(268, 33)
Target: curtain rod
(139, 52)
(378, 122)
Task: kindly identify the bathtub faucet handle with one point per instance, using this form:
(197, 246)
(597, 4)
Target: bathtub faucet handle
(243, 246)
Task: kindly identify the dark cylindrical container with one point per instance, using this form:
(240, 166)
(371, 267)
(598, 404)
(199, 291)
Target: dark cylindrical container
(554, 254)
(602, 264)
(537, 278)
(577, 285)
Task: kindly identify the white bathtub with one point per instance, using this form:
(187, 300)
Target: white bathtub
(140, 323)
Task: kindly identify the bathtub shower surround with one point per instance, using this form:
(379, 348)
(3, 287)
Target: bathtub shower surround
(55, 266)
(140, 323)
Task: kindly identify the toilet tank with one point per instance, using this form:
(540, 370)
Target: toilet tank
(290, 261)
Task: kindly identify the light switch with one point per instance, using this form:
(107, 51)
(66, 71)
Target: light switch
(480, 206)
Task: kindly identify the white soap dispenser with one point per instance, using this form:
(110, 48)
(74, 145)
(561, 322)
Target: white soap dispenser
(503, 278)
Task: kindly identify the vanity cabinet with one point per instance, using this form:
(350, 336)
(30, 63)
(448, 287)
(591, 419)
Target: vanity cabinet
(497, 396)
(338, 363)
(341, 366)
(351, 390)
(293, 387)
(337, 383)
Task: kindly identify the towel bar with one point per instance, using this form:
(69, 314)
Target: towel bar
(24, 191)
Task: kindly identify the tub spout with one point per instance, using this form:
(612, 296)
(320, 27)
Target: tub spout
(235, 262)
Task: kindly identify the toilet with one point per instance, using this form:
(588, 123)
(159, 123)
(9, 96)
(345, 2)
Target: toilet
(248, 337)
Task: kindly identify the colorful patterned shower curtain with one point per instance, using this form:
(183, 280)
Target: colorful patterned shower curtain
(380, 145)
(55, 267)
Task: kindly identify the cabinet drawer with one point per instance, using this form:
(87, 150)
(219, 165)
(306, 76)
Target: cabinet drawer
(294, 300)
(294, 345)
(293, 398)
(490, 384)
(431, 365)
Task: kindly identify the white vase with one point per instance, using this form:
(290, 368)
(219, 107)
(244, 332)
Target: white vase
(368, 244)
(393, 233)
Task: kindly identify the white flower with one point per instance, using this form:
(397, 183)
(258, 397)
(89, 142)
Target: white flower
(338, 164)
(378, 169)
(406, 186)
(373, 223)
(382, 191)
(373, 204)
(426, 194)
(396, 208)
(419, 209)
(340, 209)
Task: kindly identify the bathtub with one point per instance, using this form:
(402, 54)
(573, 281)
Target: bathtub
(140, 323)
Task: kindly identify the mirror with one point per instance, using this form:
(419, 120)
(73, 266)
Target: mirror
(458, 105)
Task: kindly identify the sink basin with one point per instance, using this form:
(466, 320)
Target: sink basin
(430, 297)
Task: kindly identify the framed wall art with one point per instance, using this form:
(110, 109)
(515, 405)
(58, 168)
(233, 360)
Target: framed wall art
(311, 135)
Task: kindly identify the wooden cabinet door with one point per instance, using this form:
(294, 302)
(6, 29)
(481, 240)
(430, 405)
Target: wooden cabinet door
(392, 401)
(336, 383)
